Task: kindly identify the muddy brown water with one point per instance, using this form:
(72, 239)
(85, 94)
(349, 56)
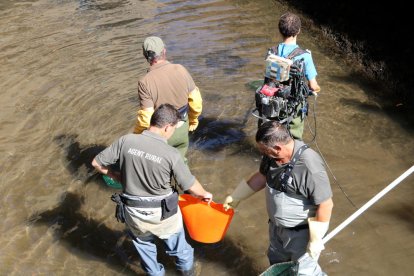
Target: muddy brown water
(68, 75)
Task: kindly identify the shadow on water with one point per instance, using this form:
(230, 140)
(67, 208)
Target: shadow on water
(215, 135)
(95, 240)
(92, 238)
(228, 255)
(379, 102)
(361, 105)
(225, 60)
(118, 23)
(79, 158)
(406, 214)
(98, 5)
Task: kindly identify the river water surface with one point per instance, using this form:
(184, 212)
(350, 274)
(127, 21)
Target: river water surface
(68, 77)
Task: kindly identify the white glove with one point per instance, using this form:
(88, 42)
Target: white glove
(317, 231)
(241, 192)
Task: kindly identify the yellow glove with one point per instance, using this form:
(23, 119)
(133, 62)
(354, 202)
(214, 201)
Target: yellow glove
(143, 119)
(195, 103)
(193, 125)
(241, 192)
(317, 231)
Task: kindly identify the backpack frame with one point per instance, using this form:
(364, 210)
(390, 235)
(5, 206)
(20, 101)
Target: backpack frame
(280, 98)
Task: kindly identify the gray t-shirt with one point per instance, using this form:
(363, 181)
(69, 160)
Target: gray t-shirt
(147, 164)
(309, 175)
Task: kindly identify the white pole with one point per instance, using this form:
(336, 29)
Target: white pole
(367, 205)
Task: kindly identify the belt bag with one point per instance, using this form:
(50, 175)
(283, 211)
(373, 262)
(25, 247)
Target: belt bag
(169, 204)
(119, 210)
(183, 112)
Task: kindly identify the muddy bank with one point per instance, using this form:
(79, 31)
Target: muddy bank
(375, 37)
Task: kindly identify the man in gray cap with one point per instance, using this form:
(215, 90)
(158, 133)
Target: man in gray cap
(166, 82)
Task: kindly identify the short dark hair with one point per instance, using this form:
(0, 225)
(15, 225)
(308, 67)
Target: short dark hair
(151, 56)
(289, 24)
(271, 133)
(164, 115)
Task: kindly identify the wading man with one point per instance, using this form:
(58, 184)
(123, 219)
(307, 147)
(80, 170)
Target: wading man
(298, 197)
(170, 83)
(291, 87)
(149, 203)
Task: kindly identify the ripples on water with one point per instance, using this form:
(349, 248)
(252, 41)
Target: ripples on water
(68, 73)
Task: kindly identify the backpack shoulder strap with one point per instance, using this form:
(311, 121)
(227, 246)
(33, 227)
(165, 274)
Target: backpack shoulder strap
(272, 51)
(298, 154)
(286, 177)
(296, 52)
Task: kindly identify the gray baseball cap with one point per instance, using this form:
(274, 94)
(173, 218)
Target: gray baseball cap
(153, 43)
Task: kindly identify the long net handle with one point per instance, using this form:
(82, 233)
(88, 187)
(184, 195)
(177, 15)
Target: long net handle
(367, 205)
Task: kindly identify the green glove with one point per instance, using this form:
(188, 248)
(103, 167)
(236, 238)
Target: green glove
(111, 182)
(241, 192)
(317, 230)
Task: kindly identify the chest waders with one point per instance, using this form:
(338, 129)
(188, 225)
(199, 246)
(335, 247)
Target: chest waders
(286, 207)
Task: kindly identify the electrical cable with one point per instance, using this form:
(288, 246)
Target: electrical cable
(320, 152)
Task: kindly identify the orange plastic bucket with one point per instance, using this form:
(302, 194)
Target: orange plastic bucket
(206, 223)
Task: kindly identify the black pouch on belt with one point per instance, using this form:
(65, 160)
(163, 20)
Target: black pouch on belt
(169, 205)
(183, 112)
(119, 211)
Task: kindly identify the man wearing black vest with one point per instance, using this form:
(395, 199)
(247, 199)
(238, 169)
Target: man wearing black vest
(298, 197)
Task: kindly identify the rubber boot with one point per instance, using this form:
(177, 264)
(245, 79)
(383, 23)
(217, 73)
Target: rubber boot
(190, 272)
(194, 271)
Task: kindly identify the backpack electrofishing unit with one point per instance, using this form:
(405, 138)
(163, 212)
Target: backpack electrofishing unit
(284, 93)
